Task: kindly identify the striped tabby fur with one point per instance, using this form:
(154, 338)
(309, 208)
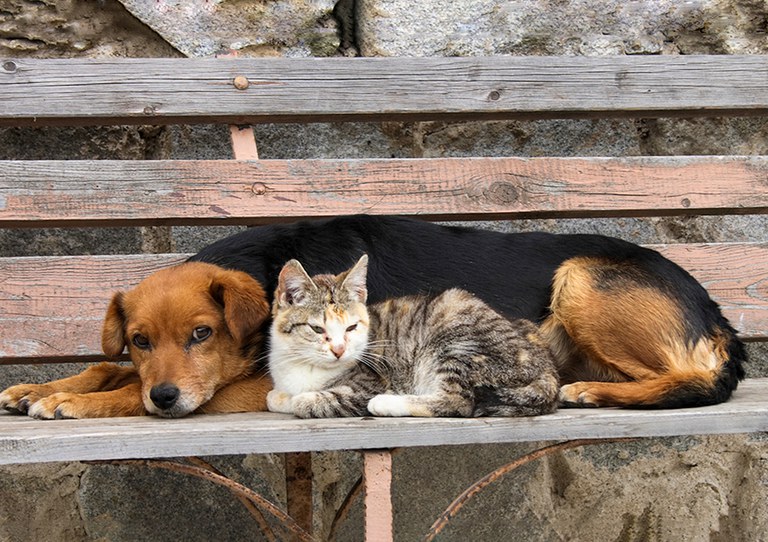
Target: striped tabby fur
(443, 355)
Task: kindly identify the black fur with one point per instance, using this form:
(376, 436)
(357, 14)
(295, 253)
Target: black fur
(512, 272)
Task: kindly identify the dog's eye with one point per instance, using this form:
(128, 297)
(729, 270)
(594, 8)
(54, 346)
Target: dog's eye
(352, 327)
(199, 334)
(140, 341)
(317, 329)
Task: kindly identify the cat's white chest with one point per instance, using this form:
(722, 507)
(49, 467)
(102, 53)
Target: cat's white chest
(301, 378)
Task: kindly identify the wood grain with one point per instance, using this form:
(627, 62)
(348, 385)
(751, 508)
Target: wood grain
(163, 91)
(23, 440)
(87, 193)
(58, 315)
(51, 308)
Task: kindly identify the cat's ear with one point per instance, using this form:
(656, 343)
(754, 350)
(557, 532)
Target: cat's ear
(355, 281)
(293, 285)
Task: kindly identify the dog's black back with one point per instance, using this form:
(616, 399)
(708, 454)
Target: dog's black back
(510, 271)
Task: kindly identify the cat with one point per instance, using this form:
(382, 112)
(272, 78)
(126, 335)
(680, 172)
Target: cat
(426, 355)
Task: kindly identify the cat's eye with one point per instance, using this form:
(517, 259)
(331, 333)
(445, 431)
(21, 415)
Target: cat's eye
(140, 341)
(199, 334)
(352, 327)
(317, 329)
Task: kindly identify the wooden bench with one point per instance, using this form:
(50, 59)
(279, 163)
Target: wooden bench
(51, 307)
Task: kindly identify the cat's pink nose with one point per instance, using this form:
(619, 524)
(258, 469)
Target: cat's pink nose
(338, 350)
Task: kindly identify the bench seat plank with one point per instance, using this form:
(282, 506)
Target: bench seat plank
(162, 91)
(23, 440)
(58, 316)
(92, 193)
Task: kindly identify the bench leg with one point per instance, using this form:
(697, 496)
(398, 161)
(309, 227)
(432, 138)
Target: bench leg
(377, 479)
(298, 486)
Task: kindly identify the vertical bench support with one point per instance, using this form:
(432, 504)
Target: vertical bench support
(377, 479)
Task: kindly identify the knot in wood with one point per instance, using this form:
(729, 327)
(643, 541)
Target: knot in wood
(9, 66)
(502, 193)
(259, 189)
(241, 82)
(150, 110)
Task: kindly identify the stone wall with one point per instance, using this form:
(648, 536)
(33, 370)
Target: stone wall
(708, 488)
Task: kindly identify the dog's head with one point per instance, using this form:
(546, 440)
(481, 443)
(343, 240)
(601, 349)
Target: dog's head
(190, 329)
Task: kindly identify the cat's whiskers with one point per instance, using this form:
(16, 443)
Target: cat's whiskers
(376, 362)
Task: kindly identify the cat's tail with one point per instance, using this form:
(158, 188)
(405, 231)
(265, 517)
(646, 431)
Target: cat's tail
(538, 397)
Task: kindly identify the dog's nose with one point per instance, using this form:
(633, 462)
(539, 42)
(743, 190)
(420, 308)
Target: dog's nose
(164, 395)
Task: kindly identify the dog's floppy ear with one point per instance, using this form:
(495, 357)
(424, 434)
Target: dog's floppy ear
(244, 301)
(113, 332)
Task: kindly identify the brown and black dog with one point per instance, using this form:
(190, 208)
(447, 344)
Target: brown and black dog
(627, 326)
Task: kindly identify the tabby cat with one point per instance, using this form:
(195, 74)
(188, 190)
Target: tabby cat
(443, 355)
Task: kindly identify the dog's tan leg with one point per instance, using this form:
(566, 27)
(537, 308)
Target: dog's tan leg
(627, 343)
(125, 401)
(246, 395)
(102, 377)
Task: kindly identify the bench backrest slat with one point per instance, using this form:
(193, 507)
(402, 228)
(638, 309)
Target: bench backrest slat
(78, 193)
(734, 273)
(163, 91)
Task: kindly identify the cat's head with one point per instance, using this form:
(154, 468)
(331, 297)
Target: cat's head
(321, 320)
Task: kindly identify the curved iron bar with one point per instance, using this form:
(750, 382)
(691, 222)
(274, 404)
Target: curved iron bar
(345, 507)
(488, 479)
(266, 529)
(236, 488)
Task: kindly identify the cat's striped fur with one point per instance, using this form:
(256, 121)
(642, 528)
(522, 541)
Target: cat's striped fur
(443, 355)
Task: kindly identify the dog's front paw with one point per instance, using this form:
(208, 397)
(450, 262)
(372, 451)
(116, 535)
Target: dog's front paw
(389, 405)
(17, 399)
(279, 401)
(59, 406)
(577, 395)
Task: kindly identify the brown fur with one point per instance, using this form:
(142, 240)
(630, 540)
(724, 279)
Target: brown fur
(608, 356)
(214, 375)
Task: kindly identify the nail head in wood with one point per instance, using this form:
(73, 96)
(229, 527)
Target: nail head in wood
(241, 82)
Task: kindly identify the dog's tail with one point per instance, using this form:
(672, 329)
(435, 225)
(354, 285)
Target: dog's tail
(703, 387)
(688, 384)
(645, 329)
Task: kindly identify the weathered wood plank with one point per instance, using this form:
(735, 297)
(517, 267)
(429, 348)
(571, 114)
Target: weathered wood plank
(161, 91)
(58, 316)
(23, 440)
(70, 193)
(52, 308)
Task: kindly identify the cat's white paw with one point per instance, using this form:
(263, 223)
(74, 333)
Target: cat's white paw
(279, 401)
(389, 405)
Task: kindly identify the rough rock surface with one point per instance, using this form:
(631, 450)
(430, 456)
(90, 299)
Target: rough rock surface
(274, 28)
(567, 27)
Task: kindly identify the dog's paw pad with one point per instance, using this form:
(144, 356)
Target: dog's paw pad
(55, 407)
(18, 398)
(576, 395)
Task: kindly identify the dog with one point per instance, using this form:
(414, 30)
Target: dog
(628, 327)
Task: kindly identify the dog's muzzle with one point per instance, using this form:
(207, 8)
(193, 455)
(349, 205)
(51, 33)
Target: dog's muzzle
(164, 396)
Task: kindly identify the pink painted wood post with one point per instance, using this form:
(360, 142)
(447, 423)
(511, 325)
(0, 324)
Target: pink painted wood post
(377, 477)
(243, 142)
